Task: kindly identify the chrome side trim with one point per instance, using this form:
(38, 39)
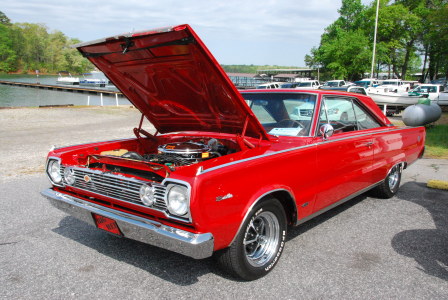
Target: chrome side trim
(302, 147)
(195, 245)
(255, 202)
(337, 203)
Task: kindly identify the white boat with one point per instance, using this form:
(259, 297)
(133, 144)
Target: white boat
(394, 99)
(93, 79)
(93, 82)
(69, 80)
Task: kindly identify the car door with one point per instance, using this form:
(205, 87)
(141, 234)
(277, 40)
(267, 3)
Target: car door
(345, 159)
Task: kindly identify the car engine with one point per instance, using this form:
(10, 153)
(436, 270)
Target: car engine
(183, 153)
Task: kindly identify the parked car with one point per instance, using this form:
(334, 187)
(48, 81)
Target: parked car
(334, 83)
(435, 92)
(307, 85)
(289, 85)
(394, 86)
(350, 89)
(432, 90)
(367, 82)
(225, 173)
(270, 85)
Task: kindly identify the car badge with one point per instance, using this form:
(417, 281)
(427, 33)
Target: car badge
(220, 198)
(87, 178)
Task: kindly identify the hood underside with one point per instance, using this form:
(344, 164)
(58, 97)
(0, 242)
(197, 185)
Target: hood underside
(172, 78)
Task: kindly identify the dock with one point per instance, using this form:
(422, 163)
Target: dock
(63, 88)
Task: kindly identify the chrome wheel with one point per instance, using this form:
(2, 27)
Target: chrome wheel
(259, 244)
(261, 238)
(393, 178)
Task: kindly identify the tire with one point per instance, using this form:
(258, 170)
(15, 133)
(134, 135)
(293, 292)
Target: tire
(259, 243)
(390, 185)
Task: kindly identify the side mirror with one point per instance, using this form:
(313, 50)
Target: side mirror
(326, 130)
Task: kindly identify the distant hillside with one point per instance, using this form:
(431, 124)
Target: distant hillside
(251, 68)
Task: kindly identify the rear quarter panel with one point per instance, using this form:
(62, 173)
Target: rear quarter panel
(396, 145)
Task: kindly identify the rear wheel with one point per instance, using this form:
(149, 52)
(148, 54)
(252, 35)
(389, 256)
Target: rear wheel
(259, 244)
(389, 187)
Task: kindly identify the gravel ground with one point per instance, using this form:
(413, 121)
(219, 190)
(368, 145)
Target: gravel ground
(27, 134)
(366, 248)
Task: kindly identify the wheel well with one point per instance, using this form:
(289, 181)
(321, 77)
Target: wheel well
(288, 203)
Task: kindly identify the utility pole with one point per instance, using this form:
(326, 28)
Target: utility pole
(374, 37)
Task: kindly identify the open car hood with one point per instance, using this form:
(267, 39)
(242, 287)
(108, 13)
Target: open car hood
(174, 80)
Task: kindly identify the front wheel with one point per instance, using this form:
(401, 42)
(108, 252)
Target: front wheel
(389, 186)
(259, 244)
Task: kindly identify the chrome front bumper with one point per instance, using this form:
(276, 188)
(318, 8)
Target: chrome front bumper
(197, 246)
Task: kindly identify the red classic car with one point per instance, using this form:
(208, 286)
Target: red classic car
(226, 172)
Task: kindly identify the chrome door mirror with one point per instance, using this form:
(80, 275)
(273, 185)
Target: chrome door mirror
(326, 130)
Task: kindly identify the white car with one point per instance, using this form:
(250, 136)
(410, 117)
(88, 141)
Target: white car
(308, 85)
(394, 85)
(436, 93)
(334, 83)
(270, 85)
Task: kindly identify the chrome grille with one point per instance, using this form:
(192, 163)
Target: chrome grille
(116, 186)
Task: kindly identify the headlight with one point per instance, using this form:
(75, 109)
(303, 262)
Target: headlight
(53, 171)
(69, 175)
(147, 194)
(178, 200)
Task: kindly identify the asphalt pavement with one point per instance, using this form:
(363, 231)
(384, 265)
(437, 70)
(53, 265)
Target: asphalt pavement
(367, 248)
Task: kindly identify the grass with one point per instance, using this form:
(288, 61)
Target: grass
(437, 138)
(437, 141)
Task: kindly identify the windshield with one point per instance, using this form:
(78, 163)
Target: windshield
(362, 83)
(284, 114)
(304, 84)
(425, 89)
(332, 83)
(288, 85)
(390, 82)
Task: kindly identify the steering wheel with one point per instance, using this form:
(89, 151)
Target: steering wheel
(289, 123)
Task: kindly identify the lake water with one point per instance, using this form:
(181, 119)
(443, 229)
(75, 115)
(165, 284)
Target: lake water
(12, 96)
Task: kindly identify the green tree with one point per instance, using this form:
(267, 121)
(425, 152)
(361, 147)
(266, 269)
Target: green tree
(344, 49)
(8, 57)
(406, 28)
(437, 39)
(398, 31)
(4, 19)
(29, 47)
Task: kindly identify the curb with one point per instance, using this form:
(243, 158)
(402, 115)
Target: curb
(437, 184)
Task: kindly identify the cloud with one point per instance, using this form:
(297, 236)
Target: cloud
(255, 32)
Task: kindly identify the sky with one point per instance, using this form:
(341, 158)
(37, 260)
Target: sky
(258, 32)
